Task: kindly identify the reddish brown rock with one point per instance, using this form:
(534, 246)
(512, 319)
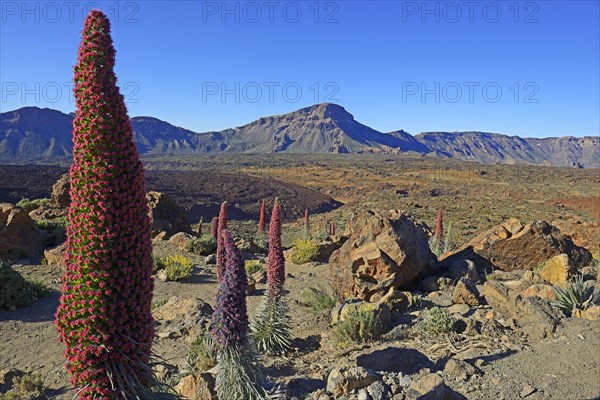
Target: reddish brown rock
(19, 235)
(540, 290)
(60, 192)
(167, 216)
(383, 251)
(511, 246)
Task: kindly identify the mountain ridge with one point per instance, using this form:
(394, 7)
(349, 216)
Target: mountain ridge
(32, 132)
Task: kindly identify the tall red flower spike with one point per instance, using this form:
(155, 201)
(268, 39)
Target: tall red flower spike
(214, 227)
(104, 316)
(439, 226)
(276, 262)
(220, 246)
(262, 219)
(332, 228)
(230, 318)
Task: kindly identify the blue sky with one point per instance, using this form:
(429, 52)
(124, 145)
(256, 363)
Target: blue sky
(528, 68)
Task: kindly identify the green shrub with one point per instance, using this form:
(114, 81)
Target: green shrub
(202, 246)
(56, 229)
(17, 291)
(304, 251)
(358, 325)
(574, 296)
(178, 267)
(203, 354)
(30, 205)
(435, 322)
(261, 240)
(29, 383)
(158, 303)
(25, 387)
(253, 266)
(318, 300)
(159, 263)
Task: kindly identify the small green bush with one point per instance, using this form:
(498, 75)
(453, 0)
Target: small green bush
(178, 267)
(203, 353)
(318, 300)
(158, 303)
(435, 322)
(358, 325)
(304, 251)
(26, 387)
(253, 266)
(56, 229)
(202, 246)
(17, 291)
(30, 205)
(575, 296)
(262, 242)
(159, 263)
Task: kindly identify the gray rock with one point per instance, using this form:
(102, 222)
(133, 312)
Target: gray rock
(464, 269)
(459, 369)
(379, 391)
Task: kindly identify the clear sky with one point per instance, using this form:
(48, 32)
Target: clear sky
(528, 68)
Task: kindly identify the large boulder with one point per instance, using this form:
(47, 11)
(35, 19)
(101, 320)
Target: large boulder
(511, 245)
(167, 216)
(383, 251)
(19, 235)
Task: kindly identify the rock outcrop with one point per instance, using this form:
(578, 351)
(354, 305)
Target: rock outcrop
(382, 251)
(167, 216)
(511, 246)
(60, 192)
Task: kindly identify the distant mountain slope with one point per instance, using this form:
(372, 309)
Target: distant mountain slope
(323, 128)
(497, 148)
(32, 132)
(35, 132)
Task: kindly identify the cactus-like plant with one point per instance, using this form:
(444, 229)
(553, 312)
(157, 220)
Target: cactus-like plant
(220, 246)
(104, 316)
(214, 226)
(238, 374)
(262, 220)
(332, 228)
(270, 328)
(449, 244)
(575, 296)
(199, 231)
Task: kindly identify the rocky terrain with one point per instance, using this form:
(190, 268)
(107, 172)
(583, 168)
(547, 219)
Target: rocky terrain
(34, 133)
(475, 322)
